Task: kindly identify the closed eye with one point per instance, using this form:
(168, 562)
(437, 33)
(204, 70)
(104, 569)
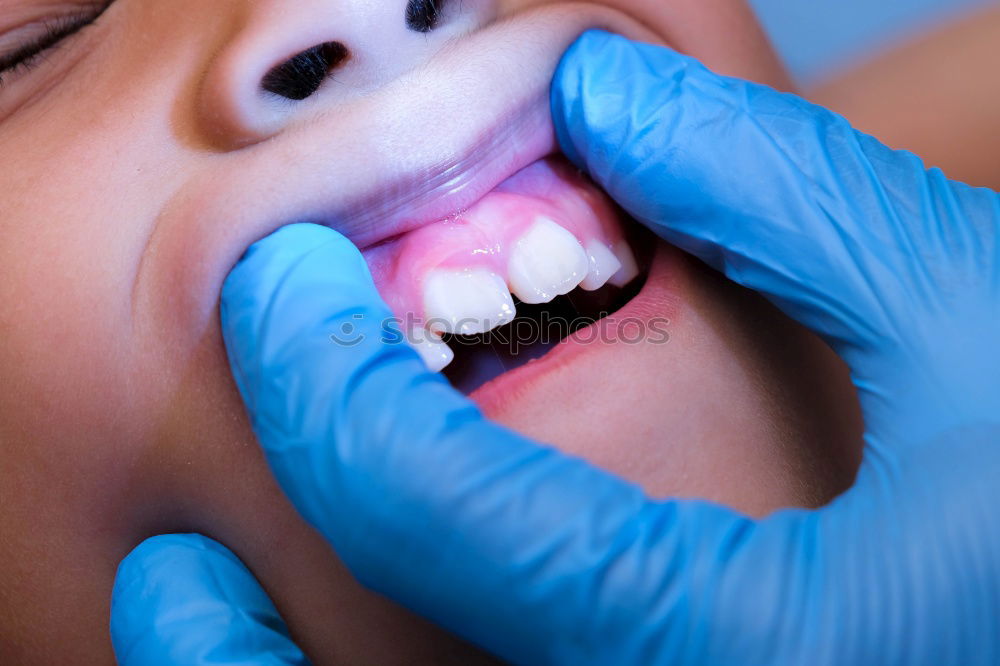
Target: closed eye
(48, 34)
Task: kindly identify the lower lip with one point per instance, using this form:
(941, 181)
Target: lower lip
(657, 301)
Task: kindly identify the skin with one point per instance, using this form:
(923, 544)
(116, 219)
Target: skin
(935, 95)
(146, 160)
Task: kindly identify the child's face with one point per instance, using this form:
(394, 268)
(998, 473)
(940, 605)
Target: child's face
(141, 158)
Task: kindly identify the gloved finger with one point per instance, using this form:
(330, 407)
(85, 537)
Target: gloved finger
(185, 599)
(516, 547)
(783, 196)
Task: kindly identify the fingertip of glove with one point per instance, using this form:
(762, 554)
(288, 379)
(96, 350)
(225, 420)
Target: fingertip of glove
(286, 245)
(148, 574)
(568, 90)
(158, 558)
(590, 45)
(302, 236)
(297, 257)
(594, 93)
(187, 596)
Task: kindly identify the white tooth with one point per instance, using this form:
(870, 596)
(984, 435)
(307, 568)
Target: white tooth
(603, 265)
(546, 262)
(630, 267)
(432, 349)
(466, 302)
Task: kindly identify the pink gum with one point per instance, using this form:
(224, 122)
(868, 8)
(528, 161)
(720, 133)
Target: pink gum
(481, 237)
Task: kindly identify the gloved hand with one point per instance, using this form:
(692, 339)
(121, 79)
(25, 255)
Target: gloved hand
(542, 558)
(183, 599)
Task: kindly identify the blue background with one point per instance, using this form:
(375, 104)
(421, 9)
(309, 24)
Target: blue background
(814, 35)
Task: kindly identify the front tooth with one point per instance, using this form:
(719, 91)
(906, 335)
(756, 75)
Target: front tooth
(434, 351)
(466, 302)
(630, 267)
(546, 262)
(603, 265)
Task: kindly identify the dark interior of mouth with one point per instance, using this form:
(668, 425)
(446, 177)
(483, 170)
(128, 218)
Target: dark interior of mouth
(538, 328)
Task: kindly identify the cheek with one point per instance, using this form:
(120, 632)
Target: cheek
(723, 34)
(83, 197)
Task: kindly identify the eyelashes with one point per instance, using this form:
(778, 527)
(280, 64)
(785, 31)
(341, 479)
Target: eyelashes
(423, 15)
(52, 32)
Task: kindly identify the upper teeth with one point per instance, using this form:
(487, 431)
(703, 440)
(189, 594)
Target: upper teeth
(432, 349)
(466, 302)
(545, 262)
(603, 265)
(629, 267)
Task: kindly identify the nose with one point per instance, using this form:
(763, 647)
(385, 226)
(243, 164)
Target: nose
(283, 61)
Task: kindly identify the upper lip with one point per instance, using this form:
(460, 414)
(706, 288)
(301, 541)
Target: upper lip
(413, 153)
(405, 156)
(423, 147)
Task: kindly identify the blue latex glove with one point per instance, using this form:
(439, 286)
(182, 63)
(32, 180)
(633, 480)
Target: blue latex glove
(184, 599)
(541, 558)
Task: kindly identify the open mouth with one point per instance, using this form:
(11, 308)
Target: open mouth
(489, 289)
(533, 333)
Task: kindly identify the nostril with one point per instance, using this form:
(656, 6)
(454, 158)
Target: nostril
(301, 75)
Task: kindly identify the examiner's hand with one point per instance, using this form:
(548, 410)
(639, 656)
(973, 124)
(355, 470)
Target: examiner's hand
(184, 600)
(542, 558)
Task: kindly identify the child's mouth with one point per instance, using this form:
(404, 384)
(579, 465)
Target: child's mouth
(535, 331)
(490, 288)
